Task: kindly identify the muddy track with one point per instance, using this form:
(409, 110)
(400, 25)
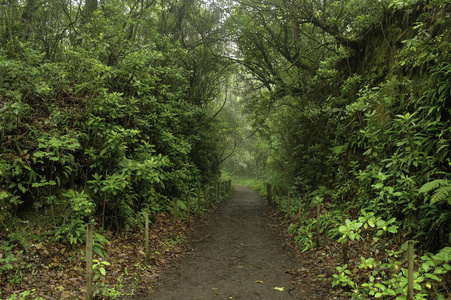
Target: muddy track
(237, 255)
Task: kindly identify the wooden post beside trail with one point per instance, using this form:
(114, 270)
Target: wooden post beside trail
(210, 199)
(274, 196)
(410, 271)
(146, 228)
(269, 193)
(89, 271)
(219, 191)
(174, 221)
(345, 252)
(300, 210)
(198, 201)
(345, 246)
(217, 197)
(188, 204)
(288, 205)
(318, 214)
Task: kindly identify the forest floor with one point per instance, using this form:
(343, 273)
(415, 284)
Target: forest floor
(238, 250)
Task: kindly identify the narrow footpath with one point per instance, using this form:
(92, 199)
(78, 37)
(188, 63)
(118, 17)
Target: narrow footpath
(237, 255)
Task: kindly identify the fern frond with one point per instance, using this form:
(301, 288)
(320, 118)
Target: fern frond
(432, 185)
(441, 194)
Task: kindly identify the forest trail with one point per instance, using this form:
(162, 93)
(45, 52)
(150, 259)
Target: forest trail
(237, 255)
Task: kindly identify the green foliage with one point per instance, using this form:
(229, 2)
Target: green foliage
(71, 232)
(442, 189)
(374, 128)
(343, 277)
(78, 209)
(7, 260)
(99, 269)
(304, 234)
(78, 205)
(104, 113)
(12, 268)
(99, 244)
(389, 279)
(22, 296)
(400, 4)
(352, 230)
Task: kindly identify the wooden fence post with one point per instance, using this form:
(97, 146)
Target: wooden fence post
(218, 191)
(318, 215)
(210, 199)
(174, 221)
(89, 271)
(288, 205)
(410, 271)
(274, 196)
(188, 213)
(300, 210)
(218, 196)
(345, 246)
(146, 228)
(268, 193)
(198, 200)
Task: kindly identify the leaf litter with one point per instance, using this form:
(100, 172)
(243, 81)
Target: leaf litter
(54, 271)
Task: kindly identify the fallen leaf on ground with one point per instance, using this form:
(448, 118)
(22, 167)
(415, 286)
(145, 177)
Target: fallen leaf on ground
(258, 281)
(281, 289)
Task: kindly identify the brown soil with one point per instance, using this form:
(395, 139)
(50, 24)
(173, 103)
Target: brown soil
(236, 255)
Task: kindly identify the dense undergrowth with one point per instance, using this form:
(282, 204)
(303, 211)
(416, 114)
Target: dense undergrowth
(85, 139)
(375, 265)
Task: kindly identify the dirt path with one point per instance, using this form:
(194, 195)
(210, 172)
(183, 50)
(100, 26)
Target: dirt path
(237, 255)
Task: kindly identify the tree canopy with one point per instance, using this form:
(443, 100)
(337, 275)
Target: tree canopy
(113, 99)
